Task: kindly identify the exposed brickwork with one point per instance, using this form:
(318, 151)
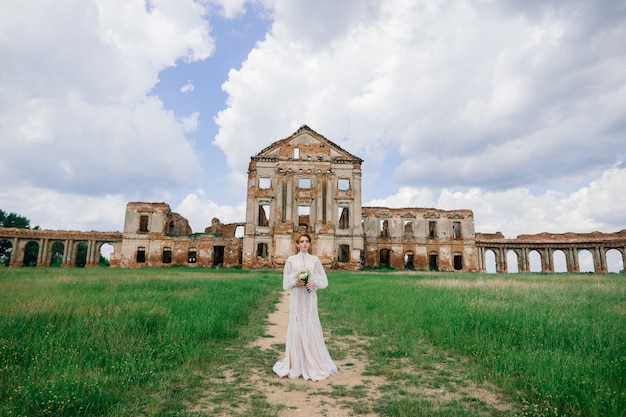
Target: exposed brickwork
(307, 183)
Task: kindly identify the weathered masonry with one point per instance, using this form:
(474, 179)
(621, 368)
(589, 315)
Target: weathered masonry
(546, 245)
(306, 183)
(156, 236)
(419, 238)
(46, 243)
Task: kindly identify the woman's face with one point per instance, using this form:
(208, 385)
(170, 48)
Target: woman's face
(303, 244)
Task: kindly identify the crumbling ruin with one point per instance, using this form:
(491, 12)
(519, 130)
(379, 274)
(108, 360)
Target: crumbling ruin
(306, 183)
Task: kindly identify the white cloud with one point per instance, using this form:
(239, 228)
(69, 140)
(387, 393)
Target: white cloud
(187, 88)
(76, 115)
(200, 210)
(190, 124)
(470, 95)
(600, 206)
(65, 211)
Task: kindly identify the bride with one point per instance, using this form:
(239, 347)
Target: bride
(306, 354)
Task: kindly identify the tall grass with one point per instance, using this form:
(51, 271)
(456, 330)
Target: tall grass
(112, 342)
(102, 342)
(557, 343)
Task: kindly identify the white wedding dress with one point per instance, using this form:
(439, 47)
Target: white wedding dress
(306, 354)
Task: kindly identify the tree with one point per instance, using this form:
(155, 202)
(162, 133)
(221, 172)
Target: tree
(21, 222)
(14, 220)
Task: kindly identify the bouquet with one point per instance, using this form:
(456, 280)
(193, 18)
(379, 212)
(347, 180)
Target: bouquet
(303, 274)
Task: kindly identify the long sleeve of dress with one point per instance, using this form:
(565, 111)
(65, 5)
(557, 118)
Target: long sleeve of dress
(318, 273)
(306, 354)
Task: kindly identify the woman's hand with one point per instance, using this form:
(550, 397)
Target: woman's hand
(310, 284)
(299, 283)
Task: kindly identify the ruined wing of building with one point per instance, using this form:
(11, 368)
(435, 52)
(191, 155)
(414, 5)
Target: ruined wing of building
(305, 183)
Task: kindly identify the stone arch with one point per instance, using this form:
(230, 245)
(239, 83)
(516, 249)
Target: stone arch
(57, 252)
(512, 259)
(490, 260)
(385, 257)
(535, 261)
(31, 252)
(409, 260)
(80, 254)
(105, 250)
(6, 249)
(559, 261)
(585, 260)
(615, 261)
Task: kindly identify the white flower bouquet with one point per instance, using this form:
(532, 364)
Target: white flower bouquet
(303, 274)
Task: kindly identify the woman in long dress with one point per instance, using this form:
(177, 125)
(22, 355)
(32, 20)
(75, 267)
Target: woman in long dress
(306, 354)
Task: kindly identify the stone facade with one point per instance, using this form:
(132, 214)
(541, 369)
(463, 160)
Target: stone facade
(155, 236)
(420, 238)
(306, 183)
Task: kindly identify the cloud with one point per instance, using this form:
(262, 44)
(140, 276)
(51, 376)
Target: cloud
(199, 210)
(54, 210)
(469, 96)
(187, 88)
(76, 114)
(598, 206)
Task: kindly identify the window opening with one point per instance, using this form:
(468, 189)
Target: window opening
(409, 260)
(218, 255)
(384, 257)
(143, 223)
(344, 253)
(264, 211)
(343, 185)
(344, 218)
(458, 261)
(141, 254)
(191, 256)
(167, 255)
(384, 229)
(264, 183)
(408, 229)
(432, 229)
(304, 216)
(261, 250)
(239, 232)
(304, 183)
(456, 230)
(296, 153)
(433, 262)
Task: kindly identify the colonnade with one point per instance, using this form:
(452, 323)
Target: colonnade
(546, 252)
(46, 239)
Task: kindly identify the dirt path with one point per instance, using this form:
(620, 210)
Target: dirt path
(436, 382)
(306, 398)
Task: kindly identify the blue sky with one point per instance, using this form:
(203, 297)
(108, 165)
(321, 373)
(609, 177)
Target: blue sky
(515, 110)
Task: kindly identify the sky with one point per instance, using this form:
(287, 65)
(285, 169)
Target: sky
(515, 110)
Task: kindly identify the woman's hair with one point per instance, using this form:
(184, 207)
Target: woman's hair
(303, 235)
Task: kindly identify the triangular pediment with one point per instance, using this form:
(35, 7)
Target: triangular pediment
(310, 143)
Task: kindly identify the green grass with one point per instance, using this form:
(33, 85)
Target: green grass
(151, 342)
(115, 342)
(556, 344)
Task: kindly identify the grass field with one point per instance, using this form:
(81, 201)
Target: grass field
(111, 342)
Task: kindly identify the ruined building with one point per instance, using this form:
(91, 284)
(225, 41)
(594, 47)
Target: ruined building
(306, 183)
